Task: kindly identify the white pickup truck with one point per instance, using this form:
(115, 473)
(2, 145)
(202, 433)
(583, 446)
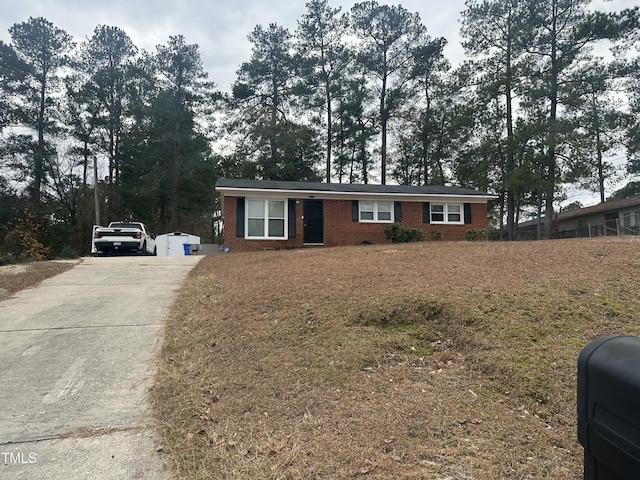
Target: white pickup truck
(123, 237)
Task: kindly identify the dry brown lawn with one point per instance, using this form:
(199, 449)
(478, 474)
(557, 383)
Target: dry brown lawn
(16, 277)
(436, 360)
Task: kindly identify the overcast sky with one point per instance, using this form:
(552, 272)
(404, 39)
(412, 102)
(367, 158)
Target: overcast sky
(219, 27)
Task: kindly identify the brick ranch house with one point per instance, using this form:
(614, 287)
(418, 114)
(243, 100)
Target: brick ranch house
(261, 214)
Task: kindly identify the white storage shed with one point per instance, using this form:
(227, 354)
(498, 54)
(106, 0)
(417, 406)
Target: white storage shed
(177, 244)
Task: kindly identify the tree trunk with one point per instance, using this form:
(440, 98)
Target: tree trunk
(600, 166)
(510, 167)
(383, 129)
(38, 166)
(96, 190)
(174, 217)
(596, 121)
(273, 145)
(426, 138)
(329, 127)
(551, 157)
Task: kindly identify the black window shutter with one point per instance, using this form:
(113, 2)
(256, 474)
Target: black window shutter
(292, 218)
(240, 217)
(397, 212)
(467, 213)
(426, 212)
(354, 210)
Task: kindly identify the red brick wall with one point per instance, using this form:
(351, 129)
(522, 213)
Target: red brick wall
(450, 232)
(339, 230)
(240, 244)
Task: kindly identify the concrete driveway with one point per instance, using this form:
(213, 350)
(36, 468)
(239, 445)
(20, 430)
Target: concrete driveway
(76, 360)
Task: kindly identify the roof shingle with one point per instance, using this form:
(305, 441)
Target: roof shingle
(345, 187)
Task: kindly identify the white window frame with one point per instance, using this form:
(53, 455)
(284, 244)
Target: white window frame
(376, 211)
(445, 213)
(266, 218)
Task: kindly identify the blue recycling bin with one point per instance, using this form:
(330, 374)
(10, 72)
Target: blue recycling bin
(187, 248)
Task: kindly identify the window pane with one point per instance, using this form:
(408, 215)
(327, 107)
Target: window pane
(256, 227)
(384, 212)
(256, 209)
(276, 209)
(366, 210)
(276, 228)
(384, 207)
(437, 212)
(454, 213)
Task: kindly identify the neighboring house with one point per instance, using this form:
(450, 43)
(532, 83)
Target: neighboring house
(262, 215)
(614, 217)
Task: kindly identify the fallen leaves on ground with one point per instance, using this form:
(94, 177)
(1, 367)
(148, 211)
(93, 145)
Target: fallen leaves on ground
(439, 360)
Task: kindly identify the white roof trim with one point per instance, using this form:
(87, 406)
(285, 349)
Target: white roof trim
(332, 195)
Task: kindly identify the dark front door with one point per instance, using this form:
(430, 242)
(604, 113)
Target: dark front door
(313, 221)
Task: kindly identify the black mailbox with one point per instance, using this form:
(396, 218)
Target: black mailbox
(609, 408)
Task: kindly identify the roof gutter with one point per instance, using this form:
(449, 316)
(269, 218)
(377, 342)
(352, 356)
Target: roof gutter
(328, 195)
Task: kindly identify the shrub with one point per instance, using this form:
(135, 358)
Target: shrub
(475, 234)
(7, 259)
(68, 252)
(22, 238)
(392, 232)
(436, 235)
(398, 233)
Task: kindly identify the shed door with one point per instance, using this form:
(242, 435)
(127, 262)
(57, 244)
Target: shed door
(174, 245)
(313, 221)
